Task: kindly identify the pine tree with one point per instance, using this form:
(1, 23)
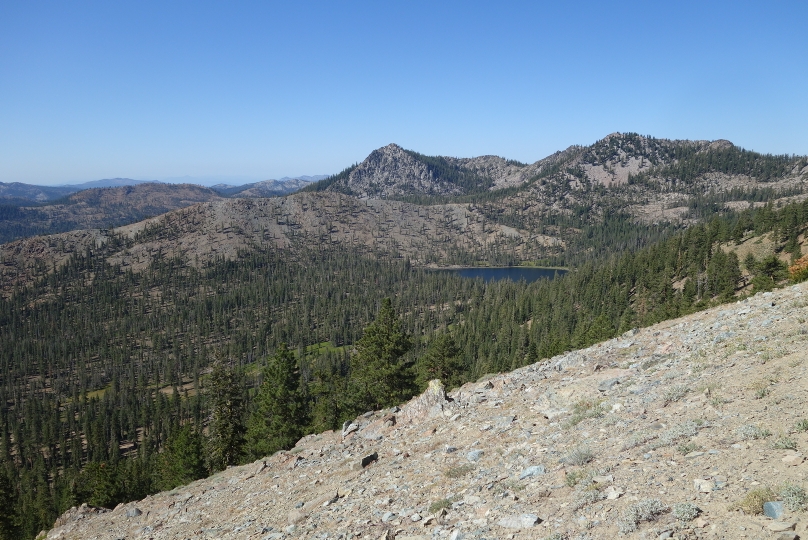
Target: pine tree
(182, 461)
(379, 375)
(278, 417)
(443, 360)
(226, 428)
(9, 529)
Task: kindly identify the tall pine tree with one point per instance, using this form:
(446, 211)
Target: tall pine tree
(380, 377)
(278, 418)
(226, 428)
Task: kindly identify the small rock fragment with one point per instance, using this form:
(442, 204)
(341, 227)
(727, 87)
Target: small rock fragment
(534, 470)
(133, 512)
(522, 521)
(603, 479)
(773, 509)
(474, 455)
(703, 486)
(781, 526)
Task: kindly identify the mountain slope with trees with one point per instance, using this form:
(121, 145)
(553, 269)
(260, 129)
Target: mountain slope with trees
(111, 404)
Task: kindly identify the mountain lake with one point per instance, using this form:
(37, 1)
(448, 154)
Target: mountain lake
(514, 273)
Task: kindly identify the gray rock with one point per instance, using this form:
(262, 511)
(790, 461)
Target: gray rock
(787, 536)
(388, 516)
(133, 512)
(474, 455)
(348, 427)
(430, 404)
(503, 421)
(522, 521)
(415, 517)
(608, 384)
(603, 479)
(703, 486)
(781, 526)
(450, 449)
(773, 509)
(532, 471)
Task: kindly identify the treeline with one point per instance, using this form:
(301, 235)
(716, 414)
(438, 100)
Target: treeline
(107, 386)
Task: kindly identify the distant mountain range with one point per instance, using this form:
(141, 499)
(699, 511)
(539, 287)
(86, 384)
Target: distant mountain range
(268, 188)
(19, 194)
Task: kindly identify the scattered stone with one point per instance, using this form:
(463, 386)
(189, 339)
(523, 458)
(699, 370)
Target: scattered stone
(773, 509)
(603, 479)
(700, 522)
(793, 459)
(367, 460)
(503, 421)
(456, 535)
(613, 492)
(475, 455)
(522, 521)
(534, 470)
(664, 535)
(348, 427)
(387, 516)
(133, 512)
(694, 454)
(703, 486)
(415, 517)
(608, 384)
(787, 536)
(781, 526)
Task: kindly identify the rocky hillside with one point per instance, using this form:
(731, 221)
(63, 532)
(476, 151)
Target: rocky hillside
(273, 188)
(267, 188)
(393, 172)
(617, 160)
(223, 228)
(680, 430)
(101, 207)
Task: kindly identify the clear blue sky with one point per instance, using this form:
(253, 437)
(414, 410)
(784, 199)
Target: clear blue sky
(270, 89)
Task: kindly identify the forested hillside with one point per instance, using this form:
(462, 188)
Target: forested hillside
(111, 374)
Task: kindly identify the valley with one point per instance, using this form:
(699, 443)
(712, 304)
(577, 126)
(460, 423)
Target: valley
(111, 335)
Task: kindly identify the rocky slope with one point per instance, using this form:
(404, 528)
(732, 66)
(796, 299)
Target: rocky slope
(659, 433)
(267, 188)
(392, 171)
(651, 179)
(301, 221)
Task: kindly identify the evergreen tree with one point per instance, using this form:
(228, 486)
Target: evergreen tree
(8, 503)
(182, 460)
(226, 428)
(443, 360)
(380, 377)
(278, 416)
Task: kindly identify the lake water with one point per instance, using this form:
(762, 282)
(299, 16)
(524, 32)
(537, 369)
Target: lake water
(514, 273)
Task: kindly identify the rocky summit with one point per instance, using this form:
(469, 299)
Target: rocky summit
(692, 428)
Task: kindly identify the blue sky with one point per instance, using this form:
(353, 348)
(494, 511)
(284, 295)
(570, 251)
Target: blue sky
(257, 90)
